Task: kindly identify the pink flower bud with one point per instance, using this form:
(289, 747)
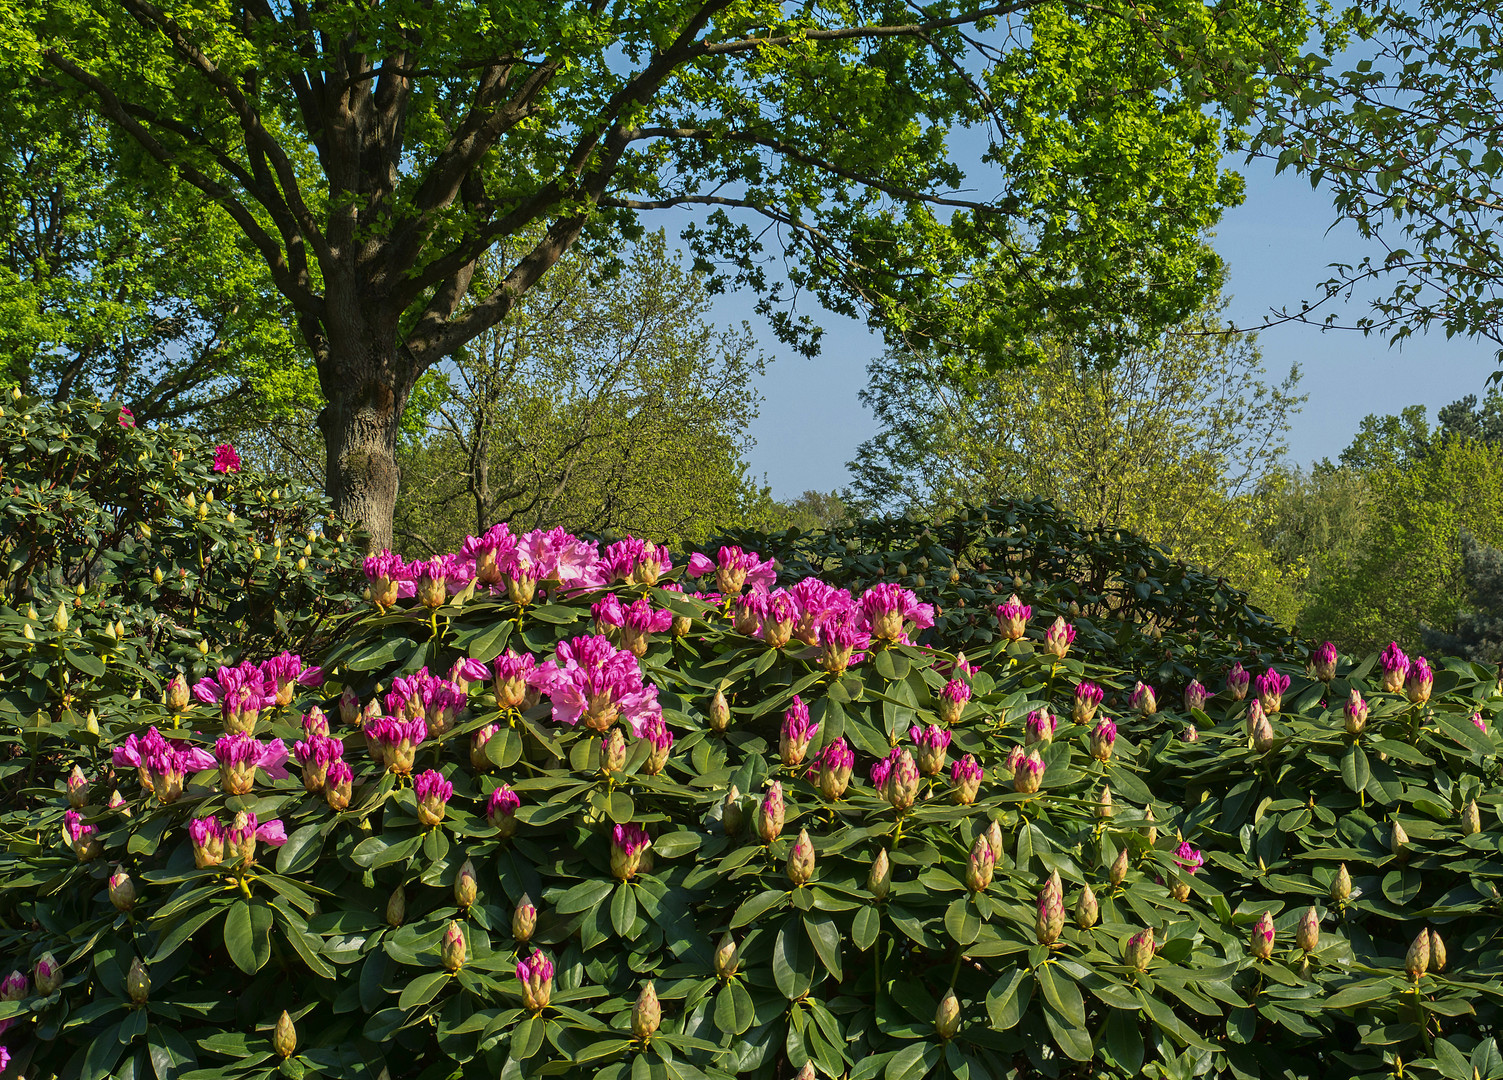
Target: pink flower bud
(1012, 618)
(1418, 682)
(1190, 734)
(1196, 696)
(501, 810)
(770, 813)
(720, 712)
(1028, 776)
(1471, 818)
(122, 891)
(465, 885)
(1261, 944)
(1236, 682)
(933, 745)
(1323, 663)
(1139, 950)
(982, 864)
(801, 860)
(1039, 727)
(479, 760)
(338, 783)
(1271, 688)
(1437, 952)
(1307, 934)
(727, 956)
(1142, 700)
(452, 947)
(1051, 916)
(1103, 739)
(78, 789)
(349, 707)
(1356, 712)
(1059, 637)
(176, 695)
(1395, 667)
(797, 732)
(966, 776)
(524, 920)
(1117, 874)
(993, 836)
(49, 976)
(433, 793)
(835, 766)
(536, 976)
(1088, 697)
(627, 844)
(951, 701)
(1262, 735)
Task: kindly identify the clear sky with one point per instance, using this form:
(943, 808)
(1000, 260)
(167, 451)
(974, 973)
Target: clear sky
(1277, 247)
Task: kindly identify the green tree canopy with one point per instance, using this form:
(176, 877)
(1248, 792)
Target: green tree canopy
(1409, 143)
(599, 405)
(372, 154)
(1173, 443)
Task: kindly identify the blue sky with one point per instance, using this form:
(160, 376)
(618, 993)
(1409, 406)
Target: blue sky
(1277, 247)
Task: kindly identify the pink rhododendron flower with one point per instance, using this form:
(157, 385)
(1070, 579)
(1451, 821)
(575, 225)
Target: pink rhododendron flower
(593, 681)
(1236, 681)
(225, 459)
(391, 579)
(281, 675)
(841, 638)
(734, 570)
(1189, 858)
(813, 601)
(798, 731)
(241, 692)
(891, 612)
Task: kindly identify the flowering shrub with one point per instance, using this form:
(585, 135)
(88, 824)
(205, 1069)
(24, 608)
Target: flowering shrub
(127, 561)
(505, 827)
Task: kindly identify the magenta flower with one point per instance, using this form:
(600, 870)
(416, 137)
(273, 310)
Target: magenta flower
(1196, 696)
(1190, 859)
(225, 459)
(892, 612)
(442, 703)
(242, 835)
(627, 844)
(813, 601)
(634, 562)
(1271, 687)
(281, 675)
(241, 692)
(841, 637)
(511, 671)
(501, 810)
(315, 754)
(433, 793)
(1236, 681)
(593, 681)
(656, 732)
(208, 836)
(75, 828)
(1103, 738)
(1395, 667)
(952, 699)
(240, 755)
(394, 742)
(1059, 637)
(127, 420)
(933, 745)
(797, 732)
(1143, 699)
(391, 579)
(1088, 698)
(735, 569)
(536, 976)
(1324, 662)
(966, 776)
(778, 612)
(835, 766)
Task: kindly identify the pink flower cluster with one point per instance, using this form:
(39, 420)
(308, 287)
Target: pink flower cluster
(593, 681)
(225, 459)
(162, 765)
(734, 570)
(242, 691)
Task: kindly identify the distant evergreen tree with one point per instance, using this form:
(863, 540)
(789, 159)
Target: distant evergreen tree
(1479, 626)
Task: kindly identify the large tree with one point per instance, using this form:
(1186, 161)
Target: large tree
(1408, 140)
(373, 153)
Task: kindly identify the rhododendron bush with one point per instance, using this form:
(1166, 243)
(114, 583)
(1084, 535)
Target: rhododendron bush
(552, 807)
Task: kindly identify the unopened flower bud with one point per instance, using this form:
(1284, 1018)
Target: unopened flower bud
(720, 712)
(1307, 934)
(176, 695)
(801, 859)
(1417, 959)
(524, 920)
(1087, 910)
(78, 789)
(947, 1016)
(48, 975)
(122, 891)
(727, 956)
(646, 1014)
(1118, 872)
(981, 866)
(879, 880)
(138, 982)
(465, 885)
(1261, 944)
(1437, 952)
(731, 815)
(770, 814)
(1051, 916)
(452, 950)
(1104, 805)
(1139, 950)
(806, 1073)
(60, 620)
(1471, 818)
(1262, 734)
(613, 751)
(396, 906)
(284, 1038)
(1398, 841)
(1341, 885)
(993, 836)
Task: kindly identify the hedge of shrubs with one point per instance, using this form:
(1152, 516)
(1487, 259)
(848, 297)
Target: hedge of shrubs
(546, 807)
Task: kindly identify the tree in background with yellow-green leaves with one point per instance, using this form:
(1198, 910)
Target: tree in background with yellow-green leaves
(1175, 442)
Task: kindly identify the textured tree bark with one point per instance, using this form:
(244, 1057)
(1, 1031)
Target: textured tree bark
(366, 384)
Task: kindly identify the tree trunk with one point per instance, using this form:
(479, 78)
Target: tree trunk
(366, 387)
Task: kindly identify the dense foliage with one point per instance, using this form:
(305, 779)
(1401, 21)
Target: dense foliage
(130, 554)
(548, 815)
